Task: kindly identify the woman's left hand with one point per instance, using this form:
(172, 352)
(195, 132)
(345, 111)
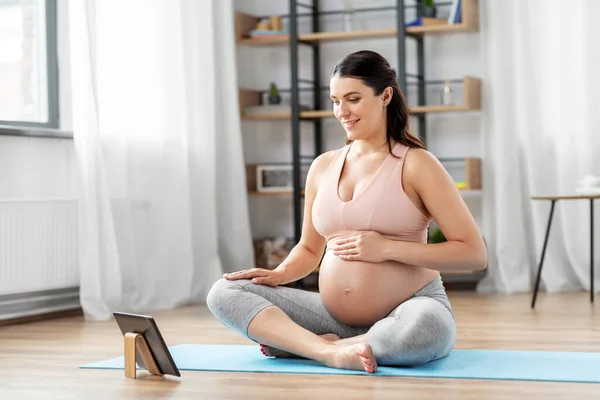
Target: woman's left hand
(362, 246)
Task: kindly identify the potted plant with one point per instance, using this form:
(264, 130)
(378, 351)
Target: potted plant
(274, 97)
(436, 235)
(429, 9)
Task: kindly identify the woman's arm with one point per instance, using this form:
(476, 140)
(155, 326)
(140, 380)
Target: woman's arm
(306, 255)
(452, 255)
(464, 249)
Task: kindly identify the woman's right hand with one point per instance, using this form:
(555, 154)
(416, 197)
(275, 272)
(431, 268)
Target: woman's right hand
(259, 276)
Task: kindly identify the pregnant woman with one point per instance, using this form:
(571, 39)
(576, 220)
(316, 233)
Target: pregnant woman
(368, 206)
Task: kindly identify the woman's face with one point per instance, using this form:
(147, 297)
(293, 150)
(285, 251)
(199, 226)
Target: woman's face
(359, 110)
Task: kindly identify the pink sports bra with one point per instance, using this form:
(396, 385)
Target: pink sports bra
(382, 206)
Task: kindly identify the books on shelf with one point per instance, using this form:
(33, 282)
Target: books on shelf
(455, 16)
(423, 21)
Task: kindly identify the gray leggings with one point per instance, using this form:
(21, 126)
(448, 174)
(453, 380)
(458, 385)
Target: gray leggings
(417, 331)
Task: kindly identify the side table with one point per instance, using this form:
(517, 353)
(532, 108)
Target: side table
(553, 200)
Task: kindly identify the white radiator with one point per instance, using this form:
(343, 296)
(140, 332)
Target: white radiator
(38, 254)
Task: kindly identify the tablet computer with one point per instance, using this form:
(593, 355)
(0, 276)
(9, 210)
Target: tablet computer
(146, 326)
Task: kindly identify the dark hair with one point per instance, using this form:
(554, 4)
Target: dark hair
(375, 72)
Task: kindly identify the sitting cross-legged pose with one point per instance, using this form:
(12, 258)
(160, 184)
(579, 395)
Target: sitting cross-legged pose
(368, 206)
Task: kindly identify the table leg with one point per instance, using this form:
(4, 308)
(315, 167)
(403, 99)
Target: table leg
(592, 250)
(539, 274)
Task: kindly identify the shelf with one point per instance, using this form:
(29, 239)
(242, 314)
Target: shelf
(315, 114)
(471, 102)
(245, 23)
(284, 39)
(441, 29)
(266, 117)
(470, 23)
(323, 37)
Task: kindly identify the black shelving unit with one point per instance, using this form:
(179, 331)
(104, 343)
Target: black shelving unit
(295, 102)
(301, 118)
(296, 120)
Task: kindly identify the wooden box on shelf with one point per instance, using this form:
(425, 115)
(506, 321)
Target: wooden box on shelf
(251, 177)
(472, 173)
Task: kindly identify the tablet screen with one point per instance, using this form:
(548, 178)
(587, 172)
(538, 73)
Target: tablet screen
(146, 326)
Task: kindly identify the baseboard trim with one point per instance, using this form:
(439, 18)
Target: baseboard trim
(22, 307)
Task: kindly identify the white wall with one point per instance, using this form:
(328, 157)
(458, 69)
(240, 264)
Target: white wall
(42, 168)
(449, 56)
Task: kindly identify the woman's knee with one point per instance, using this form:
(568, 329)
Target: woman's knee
(424, 331)
(222, 293)
(435, 325)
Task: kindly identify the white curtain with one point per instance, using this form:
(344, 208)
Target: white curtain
(541, 129)
(163, 208)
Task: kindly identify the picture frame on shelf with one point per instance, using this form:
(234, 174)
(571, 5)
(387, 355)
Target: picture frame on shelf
(274, 177)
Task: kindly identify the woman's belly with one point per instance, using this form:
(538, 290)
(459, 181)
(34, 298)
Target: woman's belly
(361, 293)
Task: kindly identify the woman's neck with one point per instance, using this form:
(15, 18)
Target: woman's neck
(371, 146)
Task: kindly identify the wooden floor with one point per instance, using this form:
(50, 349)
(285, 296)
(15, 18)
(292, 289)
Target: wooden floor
(40, 360)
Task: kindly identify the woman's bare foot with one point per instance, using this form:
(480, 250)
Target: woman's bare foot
(269, 351)
(357, 356)
(352, 340)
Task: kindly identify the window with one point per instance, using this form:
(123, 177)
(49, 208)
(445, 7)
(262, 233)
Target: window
(28, 63)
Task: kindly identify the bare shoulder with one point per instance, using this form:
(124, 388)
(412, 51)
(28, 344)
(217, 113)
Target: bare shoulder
(422, 168)
(320, 164)
(417, 159)
(317, 170)
(323, 161)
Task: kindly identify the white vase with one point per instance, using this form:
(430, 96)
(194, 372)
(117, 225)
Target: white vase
(349, 22)
(447, 95)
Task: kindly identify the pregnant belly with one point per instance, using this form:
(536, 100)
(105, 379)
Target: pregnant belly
(361, 293)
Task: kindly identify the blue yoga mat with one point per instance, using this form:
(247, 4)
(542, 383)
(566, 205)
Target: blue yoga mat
(468, 364)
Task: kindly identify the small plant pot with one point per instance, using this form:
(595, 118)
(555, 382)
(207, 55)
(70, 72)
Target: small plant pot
(274, 99)
(429, 12)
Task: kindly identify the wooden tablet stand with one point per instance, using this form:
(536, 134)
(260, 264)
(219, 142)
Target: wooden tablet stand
(133, 342)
